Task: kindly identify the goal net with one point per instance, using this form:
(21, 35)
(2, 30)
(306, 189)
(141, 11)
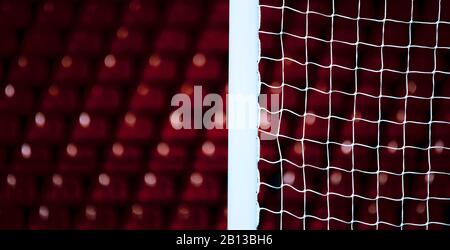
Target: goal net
(361, 138)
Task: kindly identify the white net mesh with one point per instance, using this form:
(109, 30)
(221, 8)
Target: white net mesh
(361, 137)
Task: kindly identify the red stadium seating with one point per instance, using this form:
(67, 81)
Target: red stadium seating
(28, 71)
(55, 15)
(10, 130)
(172, 42)
(63, 190)
(73, 70)
(168, 158)
(45, 129)
(108, 189)
(33, 159)
(182, 15)
(18, 190)
(11, 217)
(202, 188)
(122, 159)
(84, 42)
(42, 43)
(102, 100)
(156, 188)
(211, 158)
(60, 101)
(189, 218)
(147, 99)
(127, 42)
(140, 14)
(89, 139)
(96, 217)
(84, 100)
(77, 159)
(144, 217)
(15, 14)
(45, 218)
(98, 14)
(9, 43)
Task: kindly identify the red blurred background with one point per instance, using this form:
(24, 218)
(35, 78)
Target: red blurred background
(85, 137)
(86, 140)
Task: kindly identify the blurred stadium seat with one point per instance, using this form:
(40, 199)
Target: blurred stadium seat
(85, 136)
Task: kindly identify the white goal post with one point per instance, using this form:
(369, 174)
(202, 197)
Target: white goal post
(361, 136)
(243, 211)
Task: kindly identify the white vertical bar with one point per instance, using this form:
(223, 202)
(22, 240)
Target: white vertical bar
(243, 211)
